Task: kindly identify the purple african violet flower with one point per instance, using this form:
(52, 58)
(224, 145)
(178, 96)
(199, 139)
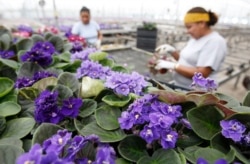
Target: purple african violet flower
(173, 111)
(149, 134)
(93, 70)
(52, 157)
(201, 161)
(205, 84)
(168, 139)
(57, 142)
(82, 55)
(7, 54)
(33, 156)
(25, 28)
(71, 107)
(27, 82)
(77, 143)
(23, 82)
(199, 80)
(44, 46)
(246, 139)
(105, 154)
(161, 121)
(77, 47)
(46, 108)
(232, 129)
(42, 74)
(126, 121)
(41, 53)
(119, 82)
(211, 85)
(93, 138)
(185, 123)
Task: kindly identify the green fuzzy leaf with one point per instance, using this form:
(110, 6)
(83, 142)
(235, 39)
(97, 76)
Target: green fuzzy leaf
(133, 148)
(209, 154)
(61, 65)
(9, 154)
(26, 97)
(91, 87)
(122, 161)
(241, 109)
(107, 62)
(27, 143)
(81, 123)
(65, 56)
(98, 56)
(5, 39)
(24, 44)
(187, 139)
(189, 153)
(105, 136)
(89, 106)
(57, 41)
(2, 124)
(120, 69)
(67, 47)
(220, 143)
(69, 80)
(6, 85)
(240, 156)
(64, 92)
(37, 38)
(18, 128)
(44, 131)
(162, 156)
(42, 84)
(48, 35)
(107, 117)
(11, 141)
(246, 101)
(171, 97)
(10, 63)
(114, 100)
(204, 99)
(202, 124)
(230, 101)
(28, 69)
(9, 109)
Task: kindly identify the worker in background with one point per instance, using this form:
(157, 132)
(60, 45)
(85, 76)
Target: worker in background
(88, 29)
(204, 52)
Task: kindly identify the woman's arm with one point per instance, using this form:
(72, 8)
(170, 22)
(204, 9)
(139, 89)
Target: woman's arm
(189, 71)
(176, 55)
(99, 35)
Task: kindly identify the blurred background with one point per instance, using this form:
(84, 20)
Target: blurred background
(120, 19)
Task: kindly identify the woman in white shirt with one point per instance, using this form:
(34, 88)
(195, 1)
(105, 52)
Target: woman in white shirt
(204, 52)
(87, 28)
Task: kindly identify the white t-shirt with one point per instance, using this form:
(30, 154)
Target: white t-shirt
(208, 51)
(87, 31)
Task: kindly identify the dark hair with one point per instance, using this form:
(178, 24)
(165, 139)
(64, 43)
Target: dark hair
(213, 18)
(85, 9)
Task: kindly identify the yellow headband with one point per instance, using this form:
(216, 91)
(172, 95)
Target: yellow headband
(196, 17)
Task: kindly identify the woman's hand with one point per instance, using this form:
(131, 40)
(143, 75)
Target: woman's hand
(98, 44)
(165, 49)
(163, 64)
